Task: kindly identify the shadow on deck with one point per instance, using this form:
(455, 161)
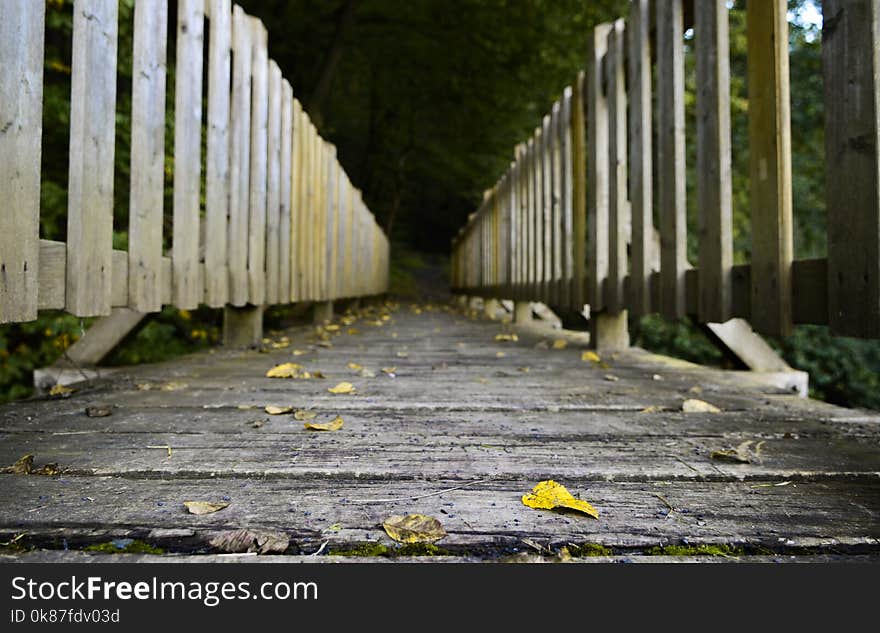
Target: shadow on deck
(460, 429)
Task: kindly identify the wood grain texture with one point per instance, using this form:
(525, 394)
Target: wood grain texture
(92, 150)
(286, 193)
(185, 256)
(296, 199)
(851, 71)
(21, 127)
(239, 166)
(641, 163)
(273, 187)
(217, 157)
(618, 203)
(566, 190)
(770, 167)
(256, 260)
(579, 194)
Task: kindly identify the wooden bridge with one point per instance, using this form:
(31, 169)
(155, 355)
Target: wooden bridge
(456, 409)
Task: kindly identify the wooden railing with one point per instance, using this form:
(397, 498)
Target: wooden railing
(281, 222)
(571, 221)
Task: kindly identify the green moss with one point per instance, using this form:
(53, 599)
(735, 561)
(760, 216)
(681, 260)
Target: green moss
(378, 549)
(362, 549)
(124, 547)
(588, 549)
(421, 549)
(696, 550)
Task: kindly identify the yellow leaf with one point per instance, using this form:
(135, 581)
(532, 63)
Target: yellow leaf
(414, 528)
(506, 337)
(60, 390)
(331, 328)
(548, 495)
(402, 354)
(590, 356)
(560, 343)
(333, 425)
(23, 466)
(273, 410)
(342, 388)
(730, 456)
(692, 405)
(524, 370)
(353, 330)
(651, 409)
(500, 354)
(204, 507)
(355, 367)
(298, 352)
(174, 386)
(301, 414)
(280, 344)
(284, 370)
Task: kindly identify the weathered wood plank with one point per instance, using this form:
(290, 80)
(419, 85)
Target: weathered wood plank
(145, 219)
(714, 178)
(92, 149)
(296, 199)
(239, 171)
(596, 107)
(331, 224)
(273, 191)
(565, 193)
(547, 207)
(217, 158)
(851, 71)
(641, 181)
(670, 158)
(285, 194)
(618, 204)
(256, 261)
(185, 260)
(770, 166)
(579, 194)
(21, 128)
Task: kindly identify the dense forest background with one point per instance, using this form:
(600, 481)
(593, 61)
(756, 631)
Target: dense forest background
(425, 101)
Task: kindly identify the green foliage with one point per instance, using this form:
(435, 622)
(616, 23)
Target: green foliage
(682, 339)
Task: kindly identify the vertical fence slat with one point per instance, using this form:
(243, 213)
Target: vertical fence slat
(579, 194)
(239, 172)
(770, 166)
(714, 179)
(556, 206)
(341, 229)
(851, 68)
(147, 156)
(296, 200)
(545, 219)
(597, 169)
(187, 154)
(670, 158)
(92, 145)
(21, 109)
(565, 192)
(640, 157)
(259, 160)
(617, 184)
(284, 175)
(217, 171)
(273, 187)
(332, 205)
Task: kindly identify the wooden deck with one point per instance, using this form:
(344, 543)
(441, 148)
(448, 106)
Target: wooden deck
(464, 428)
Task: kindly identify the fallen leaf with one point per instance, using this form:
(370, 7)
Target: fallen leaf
(500, 354)
(259, 541)
(730, 455)
(611, 378)
(342, 388)
(692, 405)
(414, 528)
(174, 386)
(98, 412)
(257, 423)
(284, 370)
(60, 390)
(402, 354)
(280, 344)
(353, 331)
(560, 343)
(591, 356)
(651, 409)
(332, 327)
(355, 367)
(656, 377)
(302, 414)
(298, 352)
(325, 344)
(22, 466)
(524, 370)
(333, 425)
(317, 374)
(144, 386)
(271, 409)
(548, 495)
(506, 337)
(204, 507)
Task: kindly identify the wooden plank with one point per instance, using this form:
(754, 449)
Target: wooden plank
(556, 203)
(770, 166)
(259, 164)
(296, 199)
(851, 70)
(273, 190)
(579, 194)
(714, 178)
(285, 225)
(565, 201)
(340, 245)
(188, 293)
(104, 335)
(641, 181)
(545, 220)
(92, 147)
(618, 204)
(596, 107)
(239, 168)
(331, 223)
(217, 158)
(21, 128)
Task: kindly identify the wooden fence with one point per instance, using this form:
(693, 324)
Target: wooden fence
(281, 222)
(571, 221)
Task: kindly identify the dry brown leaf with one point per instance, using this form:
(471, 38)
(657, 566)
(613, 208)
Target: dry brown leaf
(414, 528)
(342, 388)
(333, 425)
(271, 409)
(302, 414)
(285, 370)
(259, 541)
(22, 466)
(692, 405)
(204, 507)
(549, 495)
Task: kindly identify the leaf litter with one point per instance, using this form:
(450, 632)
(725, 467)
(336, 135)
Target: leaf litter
(204, 507)
(414, 528)
(550, 495)
(333, 425)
